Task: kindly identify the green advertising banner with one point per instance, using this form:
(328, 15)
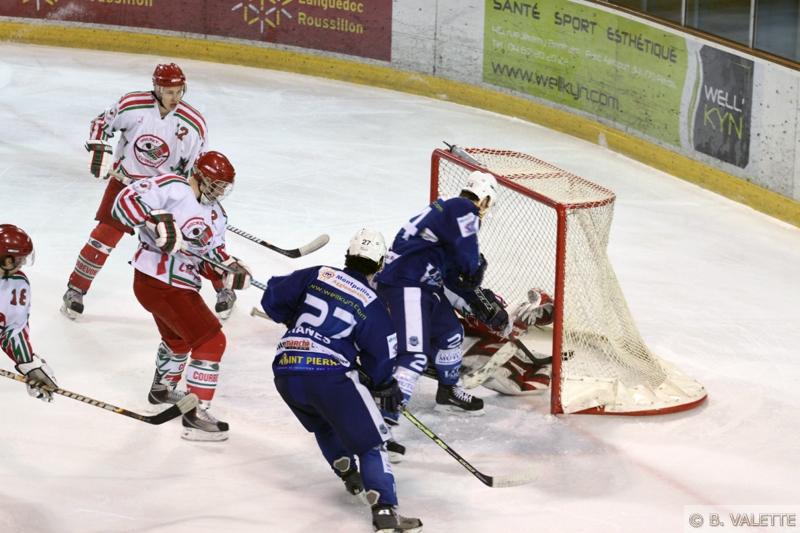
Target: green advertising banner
(590, 60)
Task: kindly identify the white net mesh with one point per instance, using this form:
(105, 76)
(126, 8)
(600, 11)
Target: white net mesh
(607, 367)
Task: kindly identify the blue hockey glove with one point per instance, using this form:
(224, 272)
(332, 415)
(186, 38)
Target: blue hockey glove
(389, 396)
(488, 308)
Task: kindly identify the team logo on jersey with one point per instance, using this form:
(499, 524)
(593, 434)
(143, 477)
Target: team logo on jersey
(150, 151)
(326, 273)
(196, 231)
(468, 224)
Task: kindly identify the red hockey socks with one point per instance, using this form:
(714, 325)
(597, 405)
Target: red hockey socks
(93, 256)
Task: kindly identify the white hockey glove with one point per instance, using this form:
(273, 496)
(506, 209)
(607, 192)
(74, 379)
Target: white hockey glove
(538, 310)
(169, 238)
(99, 158)
(41, 380)
(239, 279)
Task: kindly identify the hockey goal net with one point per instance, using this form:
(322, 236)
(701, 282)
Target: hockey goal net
(550, 230)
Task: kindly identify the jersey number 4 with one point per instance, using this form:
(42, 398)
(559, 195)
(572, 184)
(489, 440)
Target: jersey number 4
(317, 320)
(410, 228)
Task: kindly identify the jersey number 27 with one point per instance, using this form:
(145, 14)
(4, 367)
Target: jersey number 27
(316, 321)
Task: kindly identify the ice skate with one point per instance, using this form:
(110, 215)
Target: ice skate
(386, 520)
(395, 450)
(164, 392)
(455, 399)
(225, 300)
(73, 303)
(200, 425)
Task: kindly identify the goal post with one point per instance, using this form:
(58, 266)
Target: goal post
(550, 229)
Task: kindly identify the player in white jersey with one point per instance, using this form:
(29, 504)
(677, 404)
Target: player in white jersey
(159, 133)
(175, 214)
(16, 250)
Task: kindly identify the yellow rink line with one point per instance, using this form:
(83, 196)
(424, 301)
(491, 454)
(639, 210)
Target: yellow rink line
(237, 53)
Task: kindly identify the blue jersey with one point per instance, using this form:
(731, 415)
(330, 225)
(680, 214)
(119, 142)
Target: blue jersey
(333, 317)
(441, 240)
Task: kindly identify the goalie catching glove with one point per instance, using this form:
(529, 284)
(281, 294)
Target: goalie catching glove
(99, 158)
(41, 380)
(168, 236)
(538, 310)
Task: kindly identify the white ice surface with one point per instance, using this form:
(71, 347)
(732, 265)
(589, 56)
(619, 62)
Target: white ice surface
(712, 284)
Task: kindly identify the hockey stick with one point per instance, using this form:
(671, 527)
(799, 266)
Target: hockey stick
(259, 313)
(313, 246)
(184, 405)
(490, 481)
(225, 268)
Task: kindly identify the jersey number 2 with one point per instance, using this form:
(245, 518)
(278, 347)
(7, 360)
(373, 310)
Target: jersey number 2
(317, 320)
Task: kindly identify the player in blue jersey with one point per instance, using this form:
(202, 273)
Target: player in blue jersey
(436, 249)
(340, 335)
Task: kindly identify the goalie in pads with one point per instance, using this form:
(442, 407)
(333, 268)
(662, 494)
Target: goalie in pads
(526, 369)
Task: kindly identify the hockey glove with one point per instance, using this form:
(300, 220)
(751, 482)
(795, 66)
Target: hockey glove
(41, 380)
(168, 235)
(239, 278)
(389, 396)
(488, 308)
(467, 282)
(538, 310)
(99, 158)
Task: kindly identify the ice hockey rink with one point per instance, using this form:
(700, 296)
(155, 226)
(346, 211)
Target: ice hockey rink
(712, 285)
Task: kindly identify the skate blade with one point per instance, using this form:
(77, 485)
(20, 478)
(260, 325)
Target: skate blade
(69, 313)
(398, 530)
(446, 408)
(395, 458)
(224, 315)
(197, 435)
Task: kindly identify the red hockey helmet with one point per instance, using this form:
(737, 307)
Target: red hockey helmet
(215, 175)
(17, 245)
(168, 75)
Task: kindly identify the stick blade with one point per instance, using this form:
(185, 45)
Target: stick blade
(513, 480)
(314, 245)
(187, 403)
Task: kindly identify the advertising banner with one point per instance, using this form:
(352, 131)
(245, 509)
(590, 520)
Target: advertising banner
(355, 27)
(588, 59)
(722, 117)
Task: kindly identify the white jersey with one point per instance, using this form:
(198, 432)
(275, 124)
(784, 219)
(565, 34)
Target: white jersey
(202, 226)
(150, 145)
(15, 308)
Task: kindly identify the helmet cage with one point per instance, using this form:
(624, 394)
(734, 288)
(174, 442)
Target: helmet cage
(212, 190)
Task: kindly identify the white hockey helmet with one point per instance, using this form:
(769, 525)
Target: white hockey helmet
(484, 186)
(369, 244)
